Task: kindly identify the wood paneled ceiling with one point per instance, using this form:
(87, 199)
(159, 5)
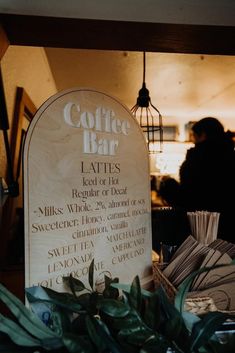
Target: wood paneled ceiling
(201, 78)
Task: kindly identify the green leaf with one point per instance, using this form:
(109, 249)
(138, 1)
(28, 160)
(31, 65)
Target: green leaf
(91, 275)
(52, 343)
(17, 334)
(205, 328)
(225, 346)
(95, 337)
(153, 313)
(78, 285)
(172, 323)
(84, 300)
(61, 322)
(74, 284)
(127, 288)
(175, 330)
(135, 294)
(183, 289)
(132, 320)
(78, 344)
(25, 317)
(109, 291)
(136, 336)
(114, 308)
(47, 295)
(95, 299)
(108, 281)
(168, 310)
(90, 301)
(104, 333)
(190, 320)
(79, 324)
(130, 326)
(155, 344)
(232, 262)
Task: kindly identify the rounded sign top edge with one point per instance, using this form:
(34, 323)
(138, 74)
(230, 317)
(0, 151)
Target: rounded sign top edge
(58, 95)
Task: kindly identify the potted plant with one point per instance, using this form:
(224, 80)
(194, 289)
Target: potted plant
(88, 321)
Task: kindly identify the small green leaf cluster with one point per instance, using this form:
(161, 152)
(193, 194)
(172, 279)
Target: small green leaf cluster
(121, 319)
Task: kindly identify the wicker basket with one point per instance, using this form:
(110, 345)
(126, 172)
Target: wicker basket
(198, 305)
(161, 280)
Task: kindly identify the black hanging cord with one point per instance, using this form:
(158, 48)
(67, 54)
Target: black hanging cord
(13, 187)
(144, 66)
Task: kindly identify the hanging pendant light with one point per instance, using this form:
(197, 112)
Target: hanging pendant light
(148, 117)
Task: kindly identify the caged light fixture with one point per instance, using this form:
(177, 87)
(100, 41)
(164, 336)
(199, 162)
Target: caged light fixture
(148, 117)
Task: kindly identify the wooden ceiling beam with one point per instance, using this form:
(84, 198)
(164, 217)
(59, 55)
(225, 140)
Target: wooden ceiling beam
(118, 35)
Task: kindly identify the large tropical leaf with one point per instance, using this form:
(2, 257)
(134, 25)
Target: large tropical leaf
(60, 320)
(155, 344)
(152, 312)
(25, 317)
(132, 320)
(17, 334)
(84, 301)
(78, 344)
(172, 325)
(127, 288)
(225, 344)
(205, 328)
(136, 336)
(104, 333)
(98, 341)
(47, 295)
(184, 287)
(114, 308)
(78, 325)
(168, 310)
(190, 320)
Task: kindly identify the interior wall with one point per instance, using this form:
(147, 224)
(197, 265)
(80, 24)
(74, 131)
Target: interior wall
(25, 67)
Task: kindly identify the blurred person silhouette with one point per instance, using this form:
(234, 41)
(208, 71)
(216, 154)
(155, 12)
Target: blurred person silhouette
(170, 224)
(169, 191)
(207, 175)
(155, 202)
(153, 185)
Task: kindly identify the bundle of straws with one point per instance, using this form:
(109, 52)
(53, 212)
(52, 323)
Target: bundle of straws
(204, 225)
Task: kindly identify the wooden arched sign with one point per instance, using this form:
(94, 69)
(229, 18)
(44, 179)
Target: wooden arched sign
(87, 191)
